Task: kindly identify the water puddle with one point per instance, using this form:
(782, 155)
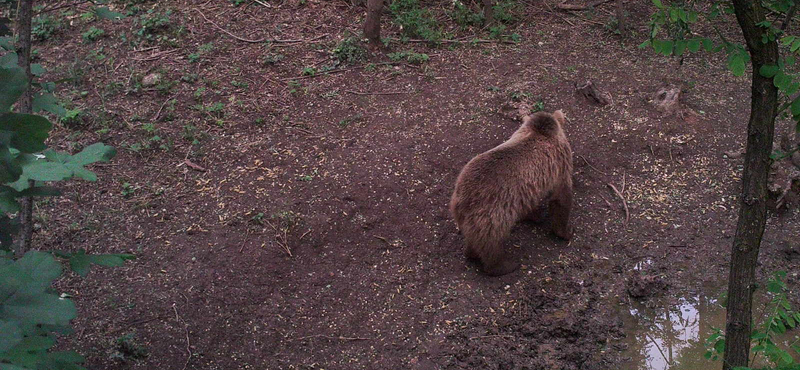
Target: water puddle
(670, 333)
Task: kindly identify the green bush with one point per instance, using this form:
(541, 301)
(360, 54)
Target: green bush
(349, 51)
(415, 21)
(45, 26)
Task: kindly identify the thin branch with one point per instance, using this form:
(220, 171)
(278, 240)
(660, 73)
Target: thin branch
(265, 39)
(471, 41)
(330, 337)
(624, 202)
(565, 6)
(379, 93)
(188, 343)
(789, 16)
(590, 165)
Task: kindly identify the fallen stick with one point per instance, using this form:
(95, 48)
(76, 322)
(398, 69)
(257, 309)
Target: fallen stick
(379, 93)
(624, 202)
(265, 39)
(565, 6)
(590, 165)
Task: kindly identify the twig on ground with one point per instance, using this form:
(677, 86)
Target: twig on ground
(379, 93)
(590, 165)
(188, 343)
(492, 336)
(265, 39)
(466, 41)
(193, 165)
(304, 234)
(246, 234)
(565, 6)
(156, 56)
(281, 239)
(330, 337)
(158, 114)
(624, 202)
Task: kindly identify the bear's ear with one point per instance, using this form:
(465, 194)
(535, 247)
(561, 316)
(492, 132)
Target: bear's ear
(559, 116)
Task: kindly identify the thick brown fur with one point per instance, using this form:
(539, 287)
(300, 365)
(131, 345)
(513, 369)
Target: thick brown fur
(498, 188)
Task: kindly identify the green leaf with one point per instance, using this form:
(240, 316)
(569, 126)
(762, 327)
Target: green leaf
(787, 40)
(682, 15)
(736, 64)
(81, 172)
(80, 261)
(795, 45)
(708, 45)
(8, 202)
(11, 335)
(645, 44)
(23, 291)
(694, 45)
(47, 171)
(10, 170)
(773, 286)
(48, 102)
(67, 357)
(768, 70)
(35, 343)
(9, 61)
(14, 84)
(29, 131)
(666, 47)
(7, 43)
(792, 88)
(692, 17)
(97, 152)
(658, 4)
(719, 346)
(37, 69)
(680, 47)
(105, 13)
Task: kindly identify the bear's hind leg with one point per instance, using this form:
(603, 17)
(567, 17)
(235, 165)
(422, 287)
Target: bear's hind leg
(560, 206)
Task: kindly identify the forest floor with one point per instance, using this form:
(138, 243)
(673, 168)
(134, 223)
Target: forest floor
(287, 218)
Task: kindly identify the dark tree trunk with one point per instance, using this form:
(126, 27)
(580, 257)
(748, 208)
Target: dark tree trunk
(25, 105)
(753, 207)
(622, 23)
(488, 12)
(372, 25)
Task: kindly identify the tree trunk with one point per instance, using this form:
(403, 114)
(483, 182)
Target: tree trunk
(372, 25)
(622, 23)
(753, 207)
(25, 105)
(488, 12)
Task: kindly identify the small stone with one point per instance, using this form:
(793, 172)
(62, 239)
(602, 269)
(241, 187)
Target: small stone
(151, 79)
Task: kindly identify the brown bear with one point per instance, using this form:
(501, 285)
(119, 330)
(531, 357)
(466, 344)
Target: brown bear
(498, 188)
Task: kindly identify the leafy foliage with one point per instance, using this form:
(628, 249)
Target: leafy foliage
(349, 51)
(782, 317)
(45, 26)
(415, 21)
(22, 137)
(408, 56)
(31, 314)
(676, 20)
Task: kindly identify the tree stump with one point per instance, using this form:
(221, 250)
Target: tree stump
(667, 100)
(589, 91)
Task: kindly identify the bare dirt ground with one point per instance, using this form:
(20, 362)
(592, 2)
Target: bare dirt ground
(290, 221)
